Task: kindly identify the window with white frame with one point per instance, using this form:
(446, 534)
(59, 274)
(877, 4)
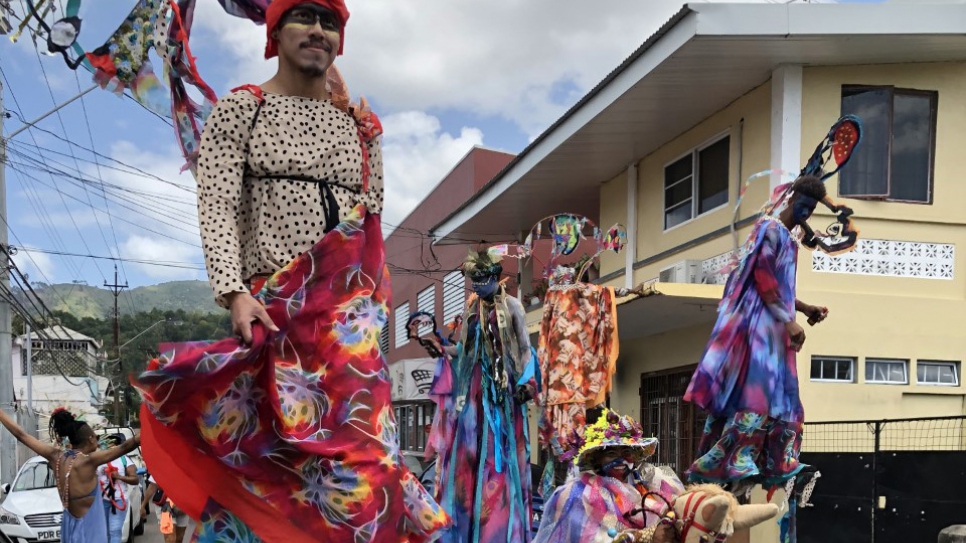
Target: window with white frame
(426, 301)
(697, 182)
(937, 373)
(401, 318)
(886, 372)
(833, 369)
(454, 296)
(384, 339)
(895, 160)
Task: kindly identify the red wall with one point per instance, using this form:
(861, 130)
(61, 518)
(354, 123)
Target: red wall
(409, 247)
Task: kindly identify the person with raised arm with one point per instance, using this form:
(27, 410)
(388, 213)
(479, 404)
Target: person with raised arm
(75, 471)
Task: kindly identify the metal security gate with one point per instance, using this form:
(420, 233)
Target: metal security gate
(676, 424)
(886, 481)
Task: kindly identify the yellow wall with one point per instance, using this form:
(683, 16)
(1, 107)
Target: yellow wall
(890, 317)
(885, 317)
(821, 106)
(750, 145)
(654, 353)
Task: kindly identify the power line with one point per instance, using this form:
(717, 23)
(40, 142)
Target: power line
(116, 190)
(141, 226)
(63, 127)
(160, 263)
(37, 201)
(106, 157)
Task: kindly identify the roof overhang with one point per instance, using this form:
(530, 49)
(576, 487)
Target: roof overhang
(664, 307)
(701, 60)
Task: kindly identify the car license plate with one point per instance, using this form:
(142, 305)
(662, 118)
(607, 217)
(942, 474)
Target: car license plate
(48, 535)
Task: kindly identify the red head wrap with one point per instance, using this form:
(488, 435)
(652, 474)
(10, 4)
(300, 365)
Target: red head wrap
(273, 15)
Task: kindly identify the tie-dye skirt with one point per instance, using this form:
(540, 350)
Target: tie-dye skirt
(292, 438)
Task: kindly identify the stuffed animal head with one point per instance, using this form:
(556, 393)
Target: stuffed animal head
(703, 514)
(707, 513)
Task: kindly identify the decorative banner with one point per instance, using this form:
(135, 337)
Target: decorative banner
(567, 230)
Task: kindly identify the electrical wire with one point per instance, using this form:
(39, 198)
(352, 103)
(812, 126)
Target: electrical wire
(63, 127)
(110, 218)
(138, 225)
(38, 202)
(148, 262)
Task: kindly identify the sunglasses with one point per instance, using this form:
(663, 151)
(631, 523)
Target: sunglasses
(312, 15)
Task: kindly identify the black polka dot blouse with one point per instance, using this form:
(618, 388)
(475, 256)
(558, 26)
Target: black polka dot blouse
(254, 218)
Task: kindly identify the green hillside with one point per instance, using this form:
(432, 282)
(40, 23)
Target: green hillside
(98, 303)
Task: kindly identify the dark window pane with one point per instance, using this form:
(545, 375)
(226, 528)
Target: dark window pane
(911, 147)
(868, 172)
(713, 175)
(816, 369)
(677, 193)
(678, 171)
(678, 215)
(843, 371)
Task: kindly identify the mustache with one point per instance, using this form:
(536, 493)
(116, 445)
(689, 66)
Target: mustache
(316, 43)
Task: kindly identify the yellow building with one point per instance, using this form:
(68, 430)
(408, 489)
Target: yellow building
(721, 92)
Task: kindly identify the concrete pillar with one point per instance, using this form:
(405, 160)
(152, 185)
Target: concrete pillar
(953, 534)
(630, 252)
(786, 121)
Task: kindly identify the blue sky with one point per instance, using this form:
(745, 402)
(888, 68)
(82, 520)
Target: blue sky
(443, 75)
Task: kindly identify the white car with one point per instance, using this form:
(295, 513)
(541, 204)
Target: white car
(31, 510)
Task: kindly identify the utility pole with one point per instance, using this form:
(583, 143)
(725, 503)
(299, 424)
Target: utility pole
(118, 386)
(29, 359)
(8, 445)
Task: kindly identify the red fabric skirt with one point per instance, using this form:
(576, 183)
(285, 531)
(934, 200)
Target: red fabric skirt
(293, 435)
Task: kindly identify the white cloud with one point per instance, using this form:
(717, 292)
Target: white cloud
(153, 220)
(417, 155)
(503, 57)
(82, 217)
(37, 266)
(156, 248)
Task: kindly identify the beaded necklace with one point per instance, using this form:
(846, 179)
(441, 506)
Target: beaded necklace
(66, 460)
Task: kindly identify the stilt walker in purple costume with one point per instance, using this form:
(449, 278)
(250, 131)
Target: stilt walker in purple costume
(747, 380)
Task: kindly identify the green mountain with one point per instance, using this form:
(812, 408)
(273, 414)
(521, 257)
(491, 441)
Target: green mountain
(86, 301)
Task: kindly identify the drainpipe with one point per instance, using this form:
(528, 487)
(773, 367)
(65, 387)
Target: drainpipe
(631, 250)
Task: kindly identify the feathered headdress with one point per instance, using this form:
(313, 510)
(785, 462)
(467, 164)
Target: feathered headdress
(485, 262)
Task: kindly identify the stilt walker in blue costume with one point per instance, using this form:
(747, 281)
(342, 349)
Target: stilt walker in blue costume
(482, 386)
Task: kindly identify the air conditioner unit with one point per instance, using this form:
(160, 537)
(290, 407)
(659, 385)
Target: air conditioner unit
(685, 271)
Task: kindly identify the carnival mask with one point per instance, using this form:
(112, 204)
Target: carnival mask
(485, 284)
(618, 463)
(831, 155)
(840, 236)
(483, 269)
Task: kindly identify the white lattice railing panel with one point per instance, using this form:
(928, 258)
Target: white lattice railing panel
(716, 269)
(891, 259)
